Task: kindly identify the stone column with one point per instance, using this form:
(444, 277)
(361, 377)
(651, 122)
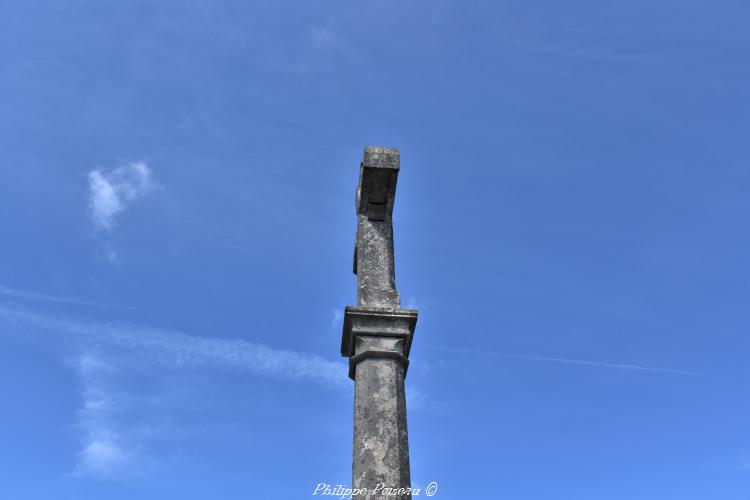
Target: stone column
(377, 338)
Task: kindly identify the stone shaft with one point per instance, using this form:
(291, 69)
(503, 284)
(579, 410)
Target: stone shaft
(381, 444)
(377, 338)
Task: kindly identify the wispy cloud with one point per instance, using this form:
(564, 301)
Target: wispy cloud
(180, 350)
(325, 42)
(102, 452)
(337, 317)
(326, 39)
(323, 37)
(133, 381)
(571, 361)
(101, 455)
(111, 191)
(412, 303)
(36, 296)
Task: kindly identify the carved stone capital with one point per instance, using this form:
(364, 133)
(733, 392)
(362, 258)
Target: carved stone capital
(377, 323)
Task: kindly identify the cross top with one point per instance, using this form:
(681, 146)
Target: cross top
(373, 250)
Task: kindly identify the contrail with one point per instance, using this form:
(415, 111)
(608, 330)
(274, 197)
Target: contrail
(569, 361)
(29, 295)
(175, 349)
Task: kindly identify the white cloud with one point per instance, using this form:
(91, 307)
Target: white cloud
(102, 456)
(337, 317)
(102, 452)
(137, 384)
(133, 378)
(179, 350)
(111, 191)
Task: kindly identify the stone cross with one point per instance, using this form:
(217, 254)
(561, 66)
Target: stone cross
(377, 338)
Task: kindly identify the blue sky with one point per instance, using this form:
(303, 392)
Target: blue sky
(178, 224)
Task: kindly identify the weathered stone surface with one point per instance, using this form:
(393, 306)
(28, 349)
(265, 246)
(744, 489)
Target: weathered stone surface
(377, 336)
(373, 251)
(381, 446)
(378, 322)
